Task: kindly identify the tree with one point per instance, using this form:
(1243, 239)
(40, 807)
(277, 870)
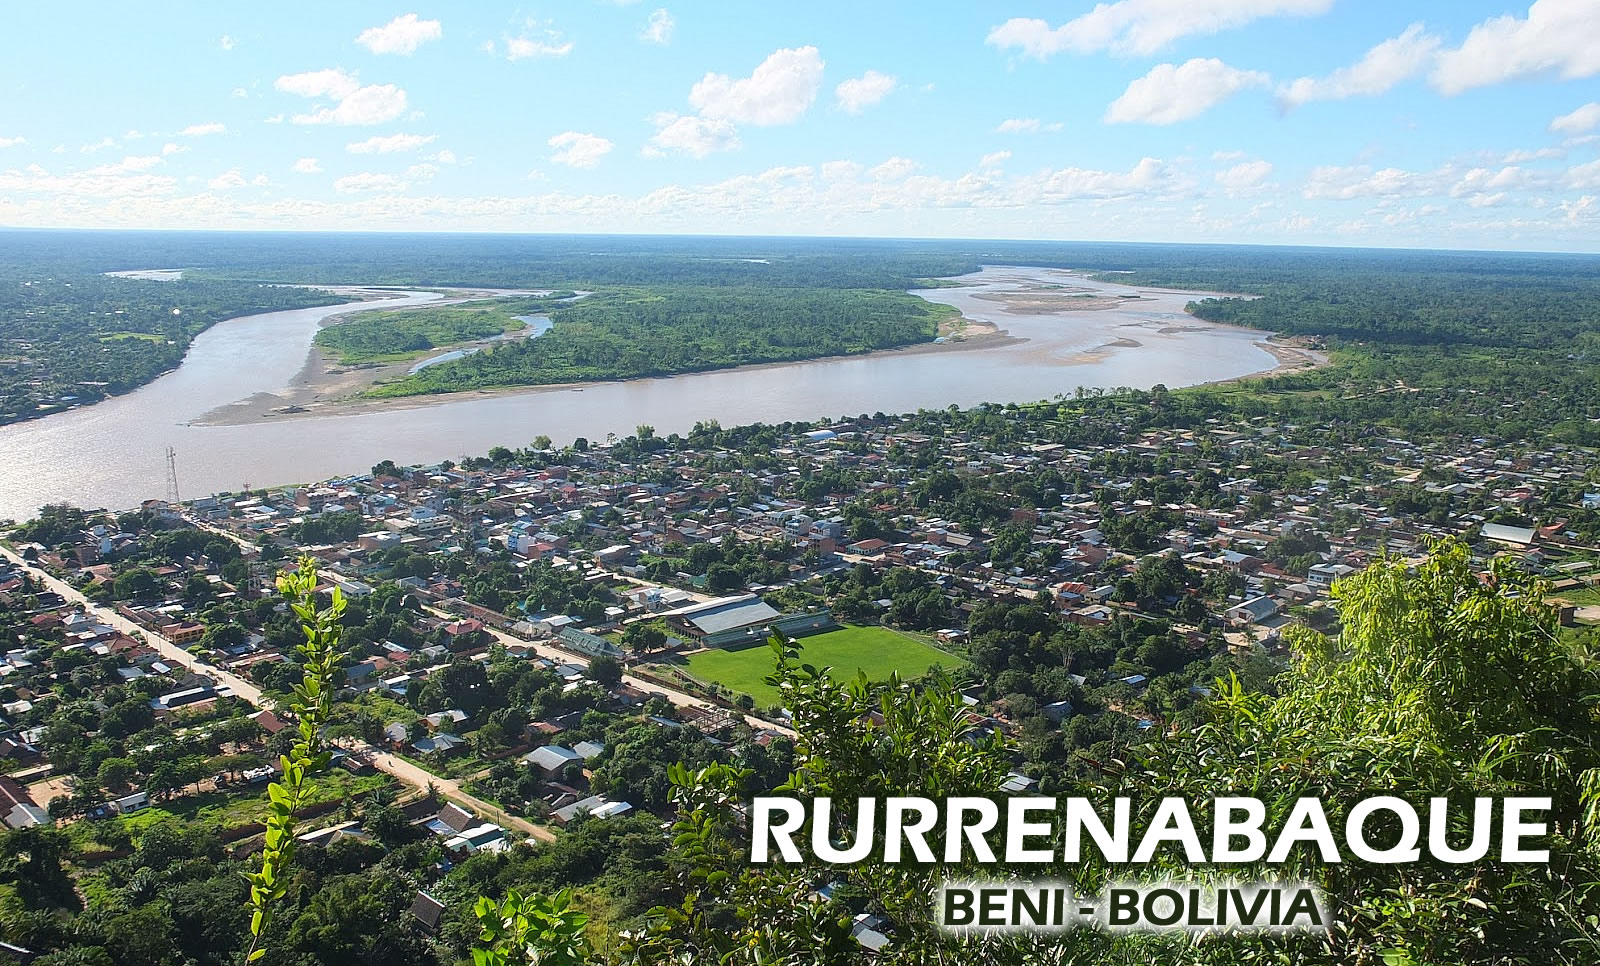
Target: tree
(606, 671)
(115, 773)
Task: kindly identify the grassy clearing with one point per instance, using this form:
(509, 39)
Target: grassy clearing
(232, 808)
(877, 651)
(1580, 596)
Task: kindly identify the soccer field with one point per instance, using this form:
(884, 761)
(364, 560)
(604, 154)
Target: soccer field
(875, 650)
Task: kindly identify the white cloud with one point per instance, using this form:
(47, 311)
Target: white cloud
(227, 42)
(894, 169)
(1522, 156)
(171, 148)
(368, 181)
(240, 92)
(107, 181)
(12, 142)
(201, 130)
(994, 160)
(446, 156)
(1581, 121)
(1172, 93)
(390, 144)
(538, 39)
(232, 178)
(691, 135)
(354, 103)
(402, 35)
(840, 170)
(1562, 36)
(778, 91)
(1018, 125)
(99, 145)
(128, 164)
(519, 48)
(859, 93)
(579, 150)
(1396, 59)
(1333, 182)
(658, 29)
(1241, 177)
(307, 166)
(331, 82)
(1141, 27)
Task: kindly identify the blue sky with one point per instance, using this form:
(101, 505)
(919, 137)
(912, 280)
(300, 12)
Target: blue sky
(1463, 124)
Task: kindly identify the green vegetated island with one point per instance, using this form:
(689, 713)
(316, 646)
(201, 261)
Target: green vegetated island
(637, 333)
(402, 334)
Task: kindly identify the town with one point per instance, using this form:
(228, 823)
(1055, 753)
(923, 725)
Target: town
(535, 636)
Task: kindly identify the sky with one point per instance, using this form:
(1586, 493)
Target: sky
(1460, 124)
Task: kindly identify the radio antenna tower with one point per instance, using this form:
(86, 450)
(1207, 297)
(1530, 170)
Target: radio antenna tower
(172, 475)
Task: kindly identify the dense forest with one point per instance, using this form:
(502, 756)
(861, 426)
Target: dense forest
(69, 338)
(668, 329)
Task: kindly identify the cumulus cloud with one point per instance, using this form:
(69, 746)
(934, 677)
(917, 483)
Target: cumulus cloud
(307, 166)
(1396, 59)
(1559, 36)
(201, 130)
(538, 39)
(691, 135)
(994, 160)
(579, 150)
(368, 181)
(354, 104)
(1342, 183)
(1244, 176)
(1018, 125)
(780, 90)
(1581, 121)
(894, 169)
(12, 142)
(227, 42)
(390, 144)
(658, 29)
(103, 182)
(233, 178)
(402, 35)
(1141, 27)
(1172, 93)
(859, 93)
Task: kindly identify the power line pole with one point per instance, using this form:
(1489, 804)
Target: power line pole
(172, 475)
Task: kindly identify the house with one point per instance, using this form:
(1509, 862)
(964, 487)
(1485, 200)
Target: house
(868, 931)
(595, 806)
(427, 910)
(1323, 575)
(443, 743)
(487, 837)
(1252, 611)
(1519, 536)
(552, 759)
(128, 804)
(17, 807)
(451, 820)
(1057, 711)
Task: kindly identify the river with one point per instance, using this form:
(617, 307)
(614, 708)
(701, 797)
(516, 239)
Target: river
(111, 454)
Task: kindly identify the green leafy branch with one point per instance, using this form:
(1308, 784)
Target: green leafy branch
(312, 705)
